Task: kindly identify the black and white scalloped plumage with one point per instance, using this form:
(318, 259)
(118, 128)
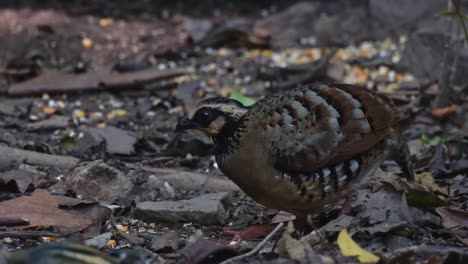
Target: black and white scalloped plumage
(302, 149)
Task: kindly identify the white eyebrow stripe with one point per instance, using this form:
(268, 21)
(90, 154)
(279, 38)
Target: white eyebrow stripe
(235, 110)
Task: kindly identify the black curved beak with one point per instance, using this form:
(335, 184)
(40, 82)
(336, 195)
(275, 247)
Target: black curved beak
(185, 124)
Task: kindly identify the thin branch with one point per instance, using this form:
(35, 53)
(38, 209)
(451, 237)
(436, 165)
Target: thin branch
(443, 99)
(460, 17)
(258, 247)
(28, 234)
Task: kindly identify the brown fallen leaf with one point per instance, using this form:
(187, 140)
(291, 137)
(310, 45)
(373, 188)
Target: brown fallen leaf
(453, 217)
(95, 214)
(41, 209)
(51, 82)
(444, 113)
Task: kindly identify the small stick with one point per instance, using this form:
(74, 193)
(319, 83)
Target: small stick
(28, 234)
(9, 156)
(257, 248)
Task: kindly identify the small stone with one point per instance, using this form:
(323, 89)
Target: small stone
(99, 241)
(166, 243)
(118, 141)
(54, 122)
(100, 181)
(206, 209)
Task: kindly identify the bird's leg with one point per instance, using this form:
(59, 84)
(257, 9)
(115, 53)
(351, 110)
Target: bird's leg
(303, 223)
(404, 161)
(398, 151)
(348, 203)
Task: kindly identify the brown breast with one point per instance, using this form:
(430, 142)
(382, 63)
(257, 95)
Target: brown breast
(303, 148)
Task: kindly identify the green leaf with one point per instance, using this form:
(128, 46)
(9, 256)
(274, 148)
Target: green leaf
(245, 100)
(425, 139)
(68, 143)
(437, 140)
(423, 199)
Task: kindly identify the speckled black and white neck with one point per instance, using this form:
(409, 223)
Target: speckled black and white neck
(230, 136)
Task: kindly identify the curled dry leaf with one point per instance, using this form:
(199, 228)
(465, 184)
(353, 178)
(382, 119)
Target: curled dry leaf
(423, 181)
(350, 248)
(426, 182)
(424, 192)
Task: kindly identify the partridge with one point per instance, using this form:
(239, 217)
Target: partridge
(302, 149)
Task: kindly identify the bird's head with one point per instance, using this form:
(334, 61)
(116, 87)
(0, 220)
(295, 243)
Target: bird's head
(211, 115)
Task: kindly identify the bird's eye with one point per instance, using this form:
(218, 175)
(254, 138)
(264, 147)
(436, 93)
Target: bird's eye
(205, 115)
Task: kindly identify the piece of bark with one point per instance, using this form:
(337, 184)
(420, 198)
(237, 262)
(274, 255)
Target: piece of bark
(11, 156)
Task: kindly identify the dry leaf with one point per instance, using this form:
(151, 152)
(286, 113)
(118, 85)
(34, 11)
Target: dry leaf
(445, 112)
(350, 248)
(463, 240)
(295, 249)
(41, 209)
(427, 183)
(452, 217)
(282, 216)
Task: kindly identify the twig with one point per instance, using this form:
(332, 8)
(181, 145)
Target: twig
(444, 97)
(9, 156)
(257, 248)
(460, 17)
